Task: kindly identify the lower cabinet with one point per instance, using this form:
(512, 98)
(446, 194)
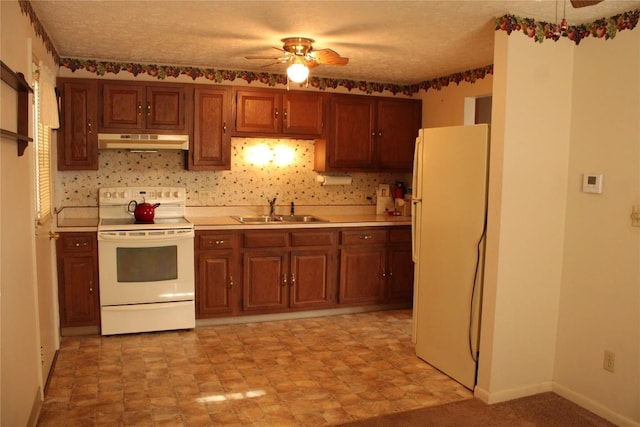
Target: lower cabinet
(78, 291)
(285, 270)
(242, 272)
(376, 265)
(216, 274)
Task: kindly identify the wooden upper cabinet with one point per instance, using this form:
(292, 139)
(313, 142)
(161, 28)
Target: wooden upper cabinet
(302, 113)
(143, 107)
(211, 145)
(397, 130)
(78, 137)
(369, 134)
(278, 113)
(350, 139)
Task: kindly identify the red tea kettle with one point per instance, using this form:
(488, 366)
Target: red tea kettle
(143, 212)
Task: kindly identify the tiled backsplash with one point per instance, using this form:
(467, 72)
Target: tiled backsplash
(244, 185)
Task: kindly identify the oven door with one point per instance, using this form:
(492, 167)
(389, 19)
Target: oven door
(145, 266)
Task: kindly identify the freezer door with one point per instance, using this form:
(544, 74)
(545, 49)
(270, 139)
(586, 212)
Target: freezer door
(451, 226)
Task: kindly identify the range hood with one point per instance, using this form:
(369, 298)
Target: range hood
(144, 142)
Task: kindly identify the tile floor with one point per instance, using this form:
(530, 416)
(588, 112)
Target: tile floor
(309, 372)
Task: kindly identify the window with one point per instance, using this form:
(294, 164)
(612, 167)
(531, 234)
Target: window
(42, 146)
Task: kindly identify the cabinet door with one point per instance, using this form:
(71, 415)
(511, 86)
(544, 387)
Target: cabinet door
(396, 131)
(350, 139)
(312, 279)
(78, 138)
(302, 113)
(400, 274)
(361, 275)
(215, 284)
(211, 146)
(165, 108)
(265, 281)
(79, 296)
(258, 112)
(123, 106)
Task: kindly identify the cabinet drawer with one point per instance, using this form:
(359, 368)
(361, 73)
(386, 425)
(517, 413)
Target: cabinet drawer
(313, 238)
(77, 242)
(270, 239)
(207, 242)
(363, 236)
(400, 234)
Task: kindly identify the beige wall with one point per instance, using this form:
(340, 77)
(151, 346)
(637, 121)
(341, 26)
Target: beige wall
(446, 107)
(527, 186)
(20, 355)
(562, 268)
(600, 299)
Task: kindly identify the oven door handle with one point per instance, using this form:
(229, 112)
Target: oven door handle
(145, 236)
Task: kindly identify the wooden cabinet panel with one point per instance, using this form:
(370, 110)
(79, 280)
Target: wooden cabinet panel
(215, 283)
(265, 280)
(217, 278)
(361, 275)
(123, 106)
(277, 113)
(312, 279)
(369, 134)
(257, 112)
(265, 239)
(78, 138)
(360, 236)
(302, 113)
(350, 140)
(78, 287)
(313, 238)
(397, 130)
(211, 146)
(132, 106)
(400, 273)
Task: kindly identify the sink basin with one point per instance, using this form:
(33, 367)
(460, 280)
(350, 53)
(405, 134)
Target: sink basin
(259, 219)
(266, 219)
(300, 218)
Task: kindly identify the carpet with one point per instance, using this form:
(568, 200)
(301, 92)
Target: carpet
(541, 410)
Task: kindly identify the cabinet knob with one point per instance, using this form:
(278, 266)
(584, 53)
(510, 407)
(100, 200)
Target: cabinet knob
(219, 242)
(284, 280)
(276, 111)
(230, 282)
(366, 237)
(380, 132)
(139, 108)
(90, 287)
(224, 127)
(293, 279)
(89, 125)
(285, 113)
(148, 109)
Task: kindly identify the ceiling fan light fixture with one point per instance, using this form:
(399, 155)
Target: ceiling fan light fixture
(297, 72)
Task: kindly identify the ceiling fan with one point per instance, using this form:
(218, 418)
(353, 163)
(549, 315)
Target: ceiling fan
(584, 3)
(299, 53)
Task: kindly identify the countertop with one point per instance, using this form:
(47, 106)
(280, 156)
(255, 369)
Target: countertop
(214, 218)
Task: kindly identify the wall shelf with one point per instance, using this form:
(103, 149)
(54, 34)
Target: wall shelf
(20, 85)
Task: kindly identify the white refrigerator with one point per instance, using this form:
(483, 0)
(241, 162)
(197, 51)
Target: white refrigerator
(449, 223)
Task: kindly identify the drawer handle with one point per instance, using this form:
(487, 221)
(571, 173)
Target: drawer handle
(139, 108)
(366, 237)
(90, 286)
(219, 242)
(78, 244)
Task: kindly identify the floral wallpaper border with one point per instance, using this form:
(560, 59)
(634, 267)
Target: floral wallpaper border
(539, 30)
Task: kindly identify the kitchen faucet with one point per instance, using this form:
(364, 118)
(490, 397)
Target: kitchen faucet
(272, 207)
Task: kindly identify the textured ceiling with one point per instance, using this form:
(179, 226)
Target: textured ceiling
(386, 41)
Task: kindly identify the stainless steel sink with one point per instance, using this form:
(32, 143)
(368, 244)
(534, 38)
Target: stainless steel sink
(266, 219)
(301, 218)
(258, 219)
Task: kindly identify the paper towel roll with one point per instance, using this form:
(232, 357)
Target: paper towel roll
(334, 180)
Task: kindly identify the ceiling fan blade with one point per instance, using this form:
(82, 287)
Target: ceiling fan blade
(584, 3)
(328, 56)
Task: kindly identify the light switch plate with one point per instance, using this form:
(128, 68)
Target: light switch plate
(592, 183)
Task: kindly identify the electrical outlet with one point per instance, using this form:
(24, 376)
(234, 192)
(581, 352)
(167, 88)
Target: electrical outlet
(609, 363)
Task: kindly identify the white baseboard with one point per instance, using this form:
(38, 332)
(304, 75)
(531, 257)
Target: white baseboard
(515, 393)
(593, 406)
